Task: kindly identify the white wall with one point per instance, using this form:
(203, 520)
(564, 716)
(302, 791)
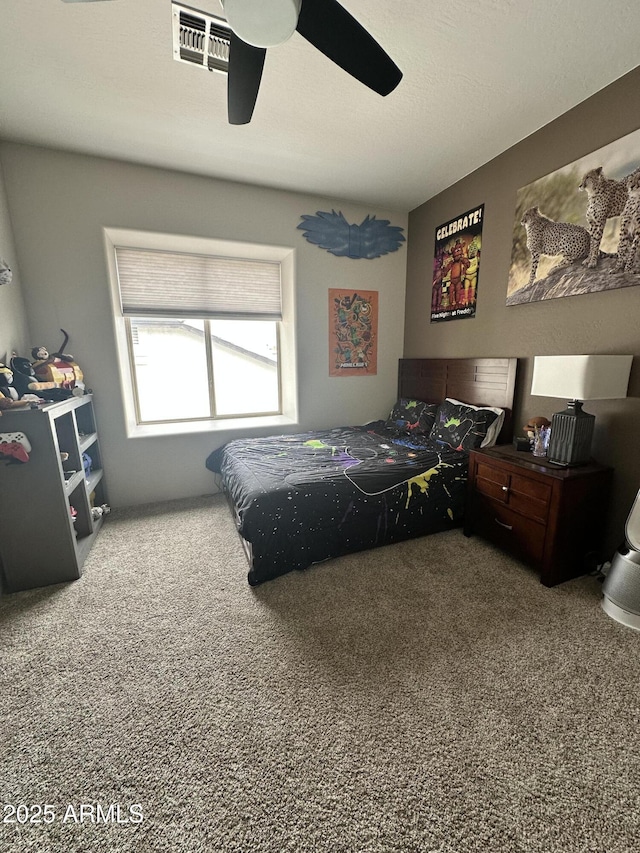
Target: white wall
(60, 203)
(14, 329)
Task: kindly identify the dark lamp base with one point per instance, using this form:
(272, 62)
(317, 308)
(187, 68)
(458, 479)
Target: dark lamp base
(571, 434)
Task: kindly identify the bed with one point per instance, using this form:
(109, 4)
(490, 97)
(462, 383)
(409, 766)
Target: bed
(304, 498)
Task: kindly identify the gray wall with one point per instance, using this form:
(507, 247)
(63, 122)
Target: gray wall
(14, 329)
(606, 322)
(59, 204)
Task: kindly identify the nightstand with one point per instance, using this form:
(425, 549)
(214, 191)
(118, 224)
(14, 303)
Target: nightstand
(547, 516)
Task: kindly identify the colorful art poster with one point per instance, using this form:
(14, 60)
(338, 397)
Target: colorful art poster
(456, 266)
(575, 230)
(353, 332)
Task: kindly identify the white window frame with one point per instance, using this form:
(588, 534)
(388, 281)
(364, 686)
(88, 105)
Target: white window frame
(285, 255)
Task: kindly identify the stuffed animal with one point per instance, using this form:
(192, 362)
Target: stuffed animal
(98, 511)
(534, 424)
(6, 383)
(8, 394)
(59, 367)
(26, 381)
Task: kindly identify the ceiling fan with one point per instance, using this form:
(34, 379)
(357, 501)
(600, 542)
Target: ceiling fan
(256, 25)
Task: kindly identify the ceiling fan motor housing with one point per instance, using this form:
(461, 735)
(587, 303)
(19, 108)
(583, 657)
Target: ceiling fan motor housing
(262, 23)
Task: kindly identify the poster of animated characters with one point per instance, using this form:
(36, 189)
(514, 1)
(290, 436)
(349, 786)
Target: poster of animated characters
(456, 265)
(353, 332)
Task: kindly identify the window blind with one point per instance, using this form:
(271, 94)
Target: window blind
(187, 285)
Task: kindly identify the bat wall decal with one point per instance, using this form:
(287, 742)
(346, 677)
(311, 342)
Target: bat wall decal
(371, 239)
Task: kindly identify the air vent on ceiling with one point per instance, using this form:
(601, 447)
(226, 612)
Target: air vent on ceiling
(200, 39)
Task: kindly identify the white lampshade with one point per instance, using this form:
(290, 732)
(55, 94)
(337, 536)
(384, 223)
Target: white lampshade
(581, 377)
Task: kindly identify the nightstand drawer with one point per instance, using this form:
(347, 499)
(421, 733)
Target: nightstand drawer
(524, 495)
(529, 497)
(492, 482)
(510, 530)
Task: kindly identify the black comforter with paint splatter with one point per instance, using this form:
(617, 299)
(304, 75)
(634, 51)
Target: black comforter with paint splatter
(312, 496)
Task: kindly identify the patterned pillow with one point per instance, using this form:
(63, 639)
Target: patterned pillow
(412, 416)
(494, 429)
(461, 426)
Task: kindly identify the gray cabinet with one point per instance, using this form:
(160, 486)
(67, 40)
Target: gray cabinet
(46, 523)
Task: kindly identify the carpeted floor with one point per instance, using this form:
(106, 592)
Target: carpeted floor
(429, 696)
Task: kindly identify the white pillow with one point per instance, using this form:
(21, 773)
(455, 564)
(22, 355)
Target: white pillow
(494, 429)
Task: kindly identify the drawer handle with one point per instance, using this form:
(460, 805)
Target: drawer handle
(502, 524)
(505, 488)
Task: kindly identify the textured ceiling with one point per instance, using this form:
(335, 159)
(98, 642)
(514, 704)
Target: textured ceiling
(478, 77)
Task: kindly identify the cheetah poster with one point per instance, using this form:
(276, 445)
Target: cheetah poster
(353, 332)
(577, 230)
(456, 265)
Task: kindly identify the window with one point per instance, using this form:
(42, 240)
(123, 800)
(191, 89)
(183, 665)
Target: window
(204, 337)
(174, 353)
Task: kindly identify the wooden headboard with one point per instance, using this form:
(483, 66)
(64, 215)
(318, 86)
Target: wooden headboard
(479, 381)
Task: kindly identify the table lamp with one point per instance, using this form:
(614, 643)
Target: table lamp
(577, 378)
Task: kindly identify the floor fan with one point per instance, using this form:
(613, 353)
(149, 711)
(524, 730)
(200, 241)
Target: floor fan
(621, 588)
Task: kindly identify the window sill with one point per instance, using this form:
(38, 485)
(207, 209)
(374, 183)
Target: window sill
(201, 427)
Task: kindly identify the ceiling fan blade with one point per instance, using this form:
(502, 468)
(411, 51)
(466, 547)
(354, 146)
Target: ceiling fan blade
(337, 34)
(243, 80)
